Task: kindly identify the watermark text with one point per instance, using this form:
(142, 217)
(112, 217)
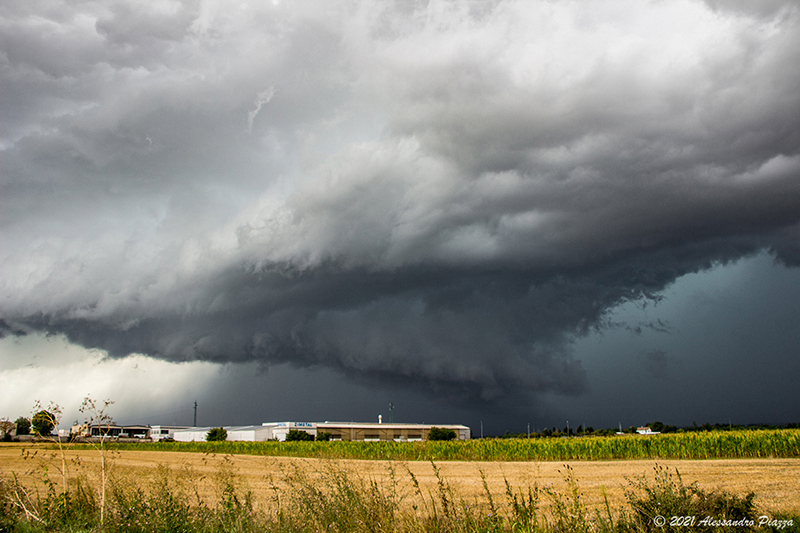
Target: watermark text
(711, 521)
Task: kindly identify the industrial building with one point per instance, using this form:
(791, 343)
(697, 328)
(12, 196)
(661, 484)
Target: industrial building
(352, 431)
(245, 433)
(393, 431)
(111, 431)
(164, 432)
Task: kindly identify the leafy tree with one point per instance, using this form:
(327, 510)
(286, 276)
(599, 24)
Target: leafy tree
(441, 434)
(23, 426)
(297, 435)
(216, 435)
(323, 436)
(43, 423)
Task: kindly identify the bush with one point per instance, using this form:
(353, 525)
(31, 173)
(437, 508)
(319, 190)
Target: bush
(43, 423)
(216, 435)
(441, 434)
(323, 436)
(297, 435)
(668, 496)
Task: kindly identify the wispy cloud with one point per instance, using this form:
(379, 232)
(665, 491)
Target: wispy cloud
(263, 97)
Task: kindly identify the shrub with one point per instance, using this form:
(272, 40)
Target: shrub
(323, 436)
(668, 496)
(297, 435)
(216, 435)
(441, 434)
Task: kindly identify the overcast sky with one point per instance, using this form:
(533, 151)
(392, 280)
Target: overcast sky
(505, 212)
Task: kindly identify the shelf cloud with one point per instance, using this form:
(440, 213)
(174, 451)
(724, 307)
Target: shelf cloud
(444, 194)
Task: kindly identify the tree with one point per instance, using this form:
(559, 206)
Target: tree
(297, 435)
(441, 434)
(324, 436)
(216, 435)
(43, 423)
(23, 426)
(6, 427)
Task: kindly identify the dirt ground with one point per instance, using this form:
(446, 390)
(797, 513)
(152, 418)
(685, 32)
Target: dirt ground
(776, 482)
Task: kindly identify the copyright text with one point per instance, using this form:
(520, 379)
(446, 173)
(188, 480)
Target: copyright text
(710, 521)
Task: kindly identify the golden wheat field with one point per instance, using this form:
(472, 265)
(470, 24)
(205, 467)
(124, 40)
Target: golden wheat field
(776, 482)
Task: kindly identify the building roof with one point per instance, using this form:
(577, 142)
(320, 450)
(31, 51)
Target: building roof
(389, 425)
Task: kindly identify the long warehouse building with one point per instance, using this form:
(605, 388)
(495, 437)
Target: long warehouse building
(352, 431)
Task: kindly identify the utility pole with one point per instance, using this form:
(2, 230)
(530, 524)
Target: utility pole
(529, 430)
(481, 428)
(194, 424)
(391, 413)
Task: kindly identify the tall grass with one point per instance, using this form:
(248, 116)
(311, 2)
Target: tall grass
(783, 443)
(330, 499)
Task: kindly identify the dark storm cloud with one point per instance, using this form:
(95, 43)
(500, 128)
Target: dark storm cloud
(657, 363)
(442, 196)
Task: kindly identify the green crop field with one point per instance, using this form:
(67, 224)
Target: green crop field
(783, 443)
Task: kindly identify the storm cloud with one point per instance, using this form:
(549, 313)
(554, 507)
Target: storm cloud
(444, 194)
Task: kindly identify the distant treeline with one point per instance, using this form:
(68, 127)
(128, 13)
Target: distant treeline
(657, 427)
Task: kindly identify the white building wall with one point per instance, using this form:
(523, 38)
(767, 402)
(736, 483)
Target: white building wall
(235, 433)
(249, 433)
(190, 434)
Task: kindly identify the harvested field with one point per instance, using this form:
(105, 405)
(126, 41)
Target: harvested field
(776, 482)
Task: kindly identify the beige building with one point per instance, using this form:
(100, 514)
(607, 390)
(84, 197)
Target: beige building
(392, 431)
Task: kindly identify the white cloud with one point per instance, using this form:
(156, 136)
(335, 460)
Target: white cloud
(50, 369)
